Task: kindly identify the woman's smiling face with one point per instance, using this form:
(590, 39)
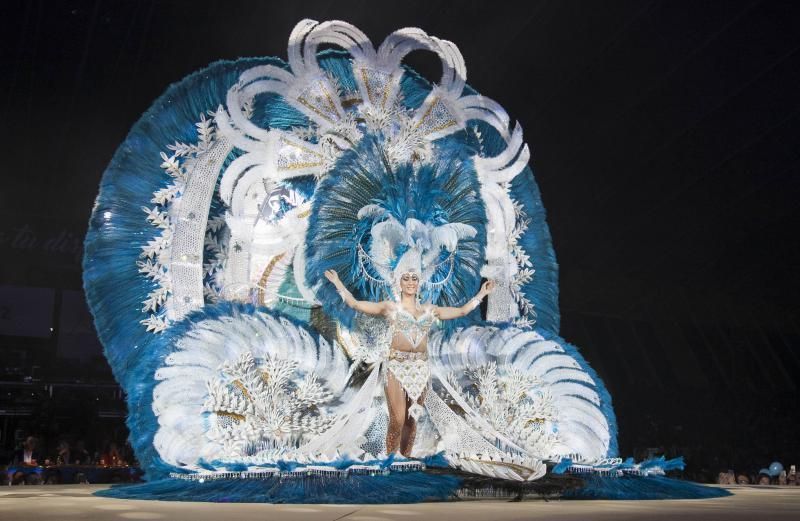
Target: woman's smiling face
(409, 283)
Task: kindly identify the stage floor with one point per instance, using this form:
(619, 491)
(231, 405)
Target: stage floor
(66, 502)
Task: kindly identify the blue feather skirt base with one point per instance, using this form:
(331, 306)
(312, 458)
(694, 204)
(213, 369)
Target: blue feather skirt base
(641, 487)
(411, 487)
(402, 487)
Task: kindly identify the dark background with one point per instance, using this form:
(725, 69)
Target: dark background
(665, 142)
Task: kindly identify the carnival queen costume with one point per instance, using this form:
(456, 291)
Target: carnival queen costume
(247, 181)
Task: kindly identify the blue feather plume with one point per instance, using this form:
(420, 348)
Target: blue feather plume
(606, 407)
(562, 466)
(444, 191)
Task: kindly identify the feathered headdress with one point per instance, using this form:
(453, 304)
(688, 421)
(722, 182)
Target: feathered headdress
(423, 244)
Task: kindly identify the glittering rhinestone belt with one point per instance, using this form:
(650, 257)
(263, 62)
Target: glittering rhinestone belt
(402, 356)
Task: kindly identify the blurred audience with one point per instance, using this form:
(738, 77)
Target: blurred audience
(774, 475)
(66, 463)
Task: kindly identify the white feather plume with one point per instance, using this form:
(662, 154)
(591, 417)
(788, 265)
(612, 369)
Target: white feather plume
(569, 421)
(186, 431)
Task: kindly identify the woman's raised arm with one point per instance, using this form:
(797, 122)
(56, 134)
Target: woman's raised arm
(447, 313)
(364, 306)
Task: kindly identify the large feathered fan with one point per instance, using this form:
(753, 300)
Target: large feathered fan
(246, 180)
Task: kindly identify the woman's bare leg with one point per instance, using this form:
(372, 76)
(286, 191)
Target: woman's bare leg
(410, 429)
(396, 400)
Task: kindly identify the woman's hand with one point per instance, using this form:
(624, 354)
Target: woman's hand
(332, 276)
(446, 313)
(364, 306)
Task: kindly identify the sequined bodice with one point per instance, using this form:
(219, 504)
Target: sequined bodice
(414, 329)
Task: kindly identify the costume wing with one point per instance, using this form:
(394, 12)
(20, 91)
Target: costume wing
(245, 388)
(537, 392)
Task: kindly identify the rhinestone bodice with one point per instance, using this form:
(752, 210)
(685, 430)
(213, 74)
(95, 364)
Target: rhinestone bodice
(414, 329)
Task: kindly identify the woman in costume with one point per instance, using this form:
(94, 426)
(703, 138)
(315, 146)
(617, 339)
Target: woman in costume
(408, 375)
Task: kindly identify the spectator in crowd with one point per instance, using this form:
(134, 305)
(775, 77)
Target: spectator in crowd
(79, 454)
(726, 478)
(112, 456)
(26, 457)
(27, 454)
(63, 456)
